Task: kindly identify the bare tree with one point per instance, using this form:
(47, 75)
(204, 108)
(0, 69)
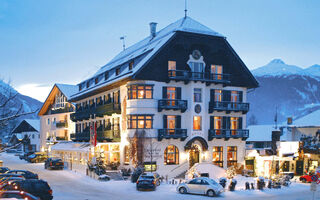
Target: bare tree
(137, 148)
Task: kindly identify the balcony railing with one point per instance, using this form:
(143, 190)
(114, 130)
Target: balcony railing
(62, 110)
(80, 136)
(228, 133)
(176, 133)
(198, 76)
(62, 124)
(228, 106)
(172, 104)
(99, 110)
(108, 136)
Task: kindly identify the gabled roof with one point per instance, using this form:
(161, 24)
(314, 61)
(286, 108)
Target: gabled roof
(65, 89)
(146, 47)
(27, 125)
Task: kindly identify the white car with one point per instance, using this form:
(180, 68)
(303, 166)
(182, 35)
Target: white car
(201, 185)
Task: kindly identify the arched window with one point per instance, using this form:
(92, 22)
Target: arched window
(171, 155)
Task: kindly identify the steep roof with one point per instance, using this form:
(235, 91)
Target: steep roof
(146, 48)
(67, 90)
(27, 125)
(35, 123)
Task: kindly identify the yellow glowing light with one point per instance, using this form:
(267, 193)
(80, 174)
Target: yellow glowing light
(141, 122)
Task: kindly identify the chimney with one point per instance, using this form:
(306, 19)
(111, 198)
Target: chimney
(153, 29)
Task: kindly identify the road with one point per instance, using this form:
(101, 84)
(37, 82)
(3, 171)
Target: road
(67, 185)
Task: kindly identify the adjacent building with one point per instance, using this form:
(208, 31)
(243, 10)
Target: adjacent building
(176, 98)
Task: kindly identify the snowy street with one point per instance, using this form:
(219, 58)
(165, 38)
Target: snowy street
(67, 185)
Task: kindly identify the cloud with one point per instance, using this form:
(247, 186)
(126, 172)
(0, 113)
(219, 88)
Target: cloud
(37, 91)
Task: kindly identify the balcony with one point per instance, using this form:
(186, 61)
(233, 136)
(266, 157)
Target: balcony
(172, 104)
(228, 106)
(61, 110)
(108, 136)
(176, 133)
(80, 136)
(107, 109)
(228, 133)
(183, 75)
(62, 124)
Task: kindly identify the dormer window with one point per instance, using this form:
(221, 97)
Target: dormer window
(131, 65)
(80, 86)
(117, 71)
(216, 71)
(196, 64)
(171, 68)
(106, 76)
(96, 80)
(88, 84)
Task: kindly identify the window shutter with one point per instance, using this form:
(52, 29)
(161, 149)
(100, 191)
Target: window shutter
(212, 95)
(178, 92)
(226, 95)
(211, 122)
(240, 96)
(178, 121)
(224, 122)
(164, 92)
(164, 121)
(228, 123)
(240, 123)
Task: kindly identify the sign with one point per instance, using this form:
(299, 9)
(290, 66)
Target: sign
(93, 134)
(314, 178)
(313, 187)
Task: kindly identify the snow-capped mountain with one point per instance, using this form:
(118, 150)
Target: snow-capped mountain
(289, 89)
(28, 105)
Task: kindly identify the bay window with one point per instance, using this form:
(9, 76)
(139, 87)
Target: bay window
(140, 92)
(140, 121)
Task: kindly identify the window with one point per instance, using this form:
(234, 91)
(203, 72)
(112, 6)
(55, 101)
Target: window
(197, 94)
(131, 65)
(171, 68)
(231, 156)
(197, 123)
(96, 80)
(218, 125)
(217, 156)
(140, 92)
(140, 121)
(216, 71)
(218, 95)
(234, 125)
(171, 155)
(48, 121)
(106, 76)
(171, 94)
(234, 96)
(117, 71)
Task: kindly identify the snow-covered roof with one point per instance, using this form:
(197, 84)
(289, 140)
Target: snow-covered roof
(310, 120)
(67, 90)
(71, 146)
(147, 47)
(260, 133)
(35, 123)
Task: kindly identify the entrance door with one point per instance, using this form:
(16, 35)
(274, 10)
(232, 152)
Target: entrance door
(299, 167)
(194, 155)
(285, 166)
(171, 95)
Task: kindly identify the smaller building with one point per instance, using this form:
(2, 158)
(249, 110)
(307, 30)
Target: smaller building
(27, 132)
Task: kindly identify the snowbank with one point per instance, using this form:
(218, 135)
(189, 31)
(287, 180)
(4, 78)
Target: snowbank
(214, 171)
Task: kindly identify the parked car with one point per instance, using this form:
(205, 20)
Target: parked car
(38, 188)
(26, 174)
(201, 185)
(13, 194)
(5, 175)
(5, 180)
(11, 151)
(53, 163)
(24, 156)
(147, 181)
(4, 169)
(306, 178)
(37, 157)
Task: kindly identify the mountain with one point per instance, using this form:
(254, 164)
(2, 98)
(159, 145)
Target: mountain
(28, 104)
(288, 90)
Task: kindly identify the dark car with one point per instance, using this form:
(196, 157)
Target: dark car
(147, 181)
(6, 175)
(26, 174)
(37, 157)
(17, 195)
(24, 156)
(53, 163)
(5, 180)
(4, 169)
(38, 188)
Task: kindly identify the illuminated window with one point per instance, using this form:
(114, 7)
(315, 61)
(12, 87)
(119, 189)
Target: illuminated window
(140, 121)
(140, 92)
(234, 125)
(234, 96)
(171, 155)
(216, 71)
(171, 68)
(218, 125)
(231, 156)
(197, 94)
(218, 95)
(196, 123)
(217, 156)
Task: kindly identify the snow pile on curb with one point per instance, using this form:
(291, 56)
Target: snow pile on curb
(214, 171)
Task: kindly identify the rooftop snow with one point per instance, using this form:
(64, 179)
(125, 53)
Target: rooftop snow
(35, 123)
(312, 119)
(67, 90)
(260, 133)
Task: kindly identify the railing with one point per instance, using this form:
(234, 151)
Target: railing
(228, 106)
(108, 135)
(176, 133)
(62, 110)
(62, 124)
(172, 104)
(228, 133)
(198, 76)
(81, 136)
(98, 110)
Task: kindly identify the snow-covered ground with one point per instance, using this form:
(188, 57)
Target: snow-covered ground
(68, 185)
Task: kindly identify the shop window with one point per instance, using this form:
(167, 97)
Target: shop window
(231, 156)
(196, 123)
(217, 156)
(197, 94)
(171, 68)
(140, 92)
(171, 155)
(140, 121)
